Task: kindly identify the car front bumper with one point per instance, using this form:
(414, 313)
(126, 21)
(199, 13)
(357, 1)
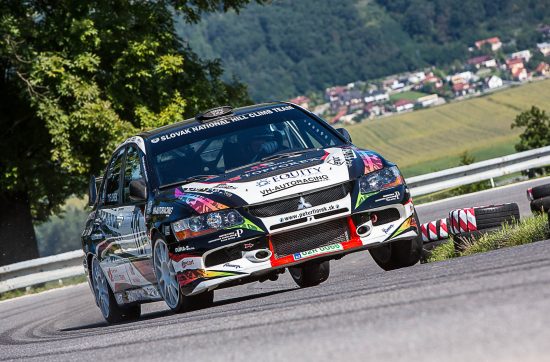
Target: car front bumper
(194, 277)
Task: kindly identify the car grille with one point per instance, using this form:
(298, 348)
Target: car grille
(291, 204)
(311, 237)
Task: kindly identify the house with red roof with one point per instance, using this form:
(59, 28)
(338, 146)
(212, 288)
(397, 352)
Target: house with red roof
(494, 42)
(543, 69)
(302, 101)
(485, 61)
(402, 105)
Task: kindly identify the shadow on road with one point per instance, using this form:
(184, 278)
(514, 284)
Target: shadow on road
(162, 313)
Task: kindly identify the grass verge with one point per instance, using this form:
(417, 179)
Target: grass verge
(525, 231)
(46, 286)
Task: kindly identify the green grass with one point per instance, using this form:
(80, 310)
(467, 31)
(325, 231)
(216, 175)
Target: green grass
(432, 139)
(526, 231)
(44, 287)
(411, 95)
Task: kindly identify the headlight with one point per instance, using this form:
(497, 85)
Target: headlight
(205, 224)
(380, 180)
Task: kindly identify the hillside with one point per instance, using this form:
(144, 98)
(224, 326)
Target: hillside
(432, 139)
(288, 47)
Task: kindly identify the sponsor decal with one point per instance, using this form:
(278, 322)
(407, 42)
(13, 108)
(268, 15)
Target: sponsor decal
(190, 262)
(309, 213)
(112, 197)
(288, 185)
(363, 197)
(207, 190)
(234, 266)
(318, 251)
(349, 155)
(191, 275)
(248, 245)
(371, 161)
(272, 166)
(247, 224)
(220, 122)
(407, 224)
(389, 197)
(183, 248)
(387, 230)
(229, 236)
(335, 160)
(199, 203)
(289, 176)
(162, 210)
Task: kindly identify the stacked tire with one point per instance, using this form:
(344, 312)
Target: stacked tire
(469, 223)
(433, 233)
(540, 198)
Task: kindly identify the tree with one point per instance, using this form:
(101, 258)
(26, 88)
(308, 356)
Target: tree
(537, 129)
(76, 78)
(535, 135)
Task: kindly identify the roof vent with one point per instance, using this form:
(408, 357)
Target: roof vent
(214, 113)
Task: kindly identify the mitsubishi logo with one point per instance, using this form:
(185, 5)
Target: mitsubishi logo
(303, 204)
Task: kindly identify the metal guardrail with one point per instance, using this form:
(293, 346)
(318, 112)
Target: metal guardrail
(479, 171)
(41, 270)
(37, 271)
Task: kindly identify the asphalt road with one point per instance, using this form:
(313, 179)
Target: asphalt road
(488, 307)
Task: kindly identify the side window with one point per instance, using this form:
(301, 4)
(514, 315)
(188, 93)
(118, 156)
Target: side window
(112, 183)
(132, 170)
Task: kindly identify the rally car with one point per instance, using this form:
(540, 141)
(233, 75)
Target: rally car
(234, 196)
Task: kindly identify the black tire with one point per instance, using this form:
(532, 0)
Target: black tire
(540, 205)
(494, 216)
(399, 254)
(310, 274)
(541, 191)
(116, 313)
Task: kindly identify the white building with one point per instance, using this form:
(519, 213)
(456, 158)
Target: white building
(523, 54)
(494, 82)
(544, 48)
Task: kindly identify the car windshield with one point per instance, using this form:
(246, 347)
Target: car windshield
(197, 151)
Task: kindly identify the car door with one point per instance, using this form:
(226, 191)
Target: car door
(134, 238)
(108, 226)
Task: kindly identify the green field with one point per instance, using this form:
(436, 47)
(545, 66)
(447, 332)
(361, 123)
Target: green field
(432, 139)
(410, 95)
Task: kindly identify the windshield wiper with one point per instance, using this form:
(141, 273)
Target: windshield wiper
(187, 180)
(286, 154)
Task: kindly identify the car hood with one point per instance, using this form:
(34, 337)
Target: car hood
(276, 179)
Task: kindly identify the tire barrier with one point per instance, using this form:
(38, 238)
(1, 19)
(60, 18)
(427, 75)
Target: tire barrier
(540, 205)
(435, 230)
(540, 198)
(538, 192)
(468, 224)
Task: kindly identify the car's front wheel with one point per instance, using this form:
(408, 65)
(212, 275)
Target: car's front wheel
(399, 254)
(310, 274)
(168, 286)
(105, 298)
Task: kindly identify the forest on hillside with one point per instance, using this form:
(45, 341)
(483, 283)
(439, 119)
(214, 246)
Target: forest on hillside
(287, 48)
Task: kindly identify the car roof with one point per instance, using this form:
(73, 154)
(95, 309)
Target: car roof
(193, 121)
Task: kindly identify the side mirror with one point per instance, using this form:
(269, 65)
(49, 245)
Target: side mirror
(92, 191)
(138, 190)
(344, 132)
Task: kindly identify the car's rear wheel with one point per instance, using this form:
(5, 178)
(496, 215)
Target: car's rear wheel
(106, 301)
(310, 274)
(168, 286)
(399, 254)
